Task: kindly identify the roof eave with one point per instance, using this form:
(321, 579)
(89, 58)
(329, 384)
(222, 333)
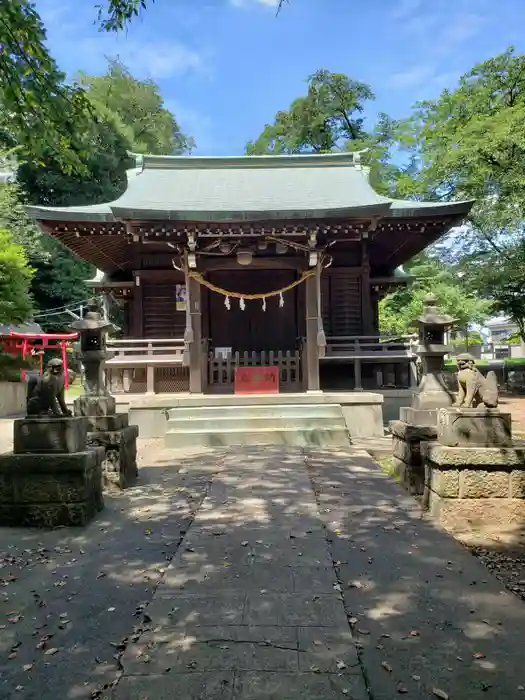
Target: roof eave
(68, 214)
(459, 209)
(380, 209)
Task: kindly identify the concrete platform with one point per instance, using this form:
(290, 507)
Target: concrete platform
(361, 411)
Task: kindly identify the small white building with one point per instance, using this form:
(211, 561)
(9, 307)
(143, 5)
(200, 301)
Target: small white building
(500, 329)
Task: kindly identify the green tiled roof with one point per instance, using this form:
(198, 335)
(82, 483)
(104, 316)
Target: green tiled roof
(247, 188)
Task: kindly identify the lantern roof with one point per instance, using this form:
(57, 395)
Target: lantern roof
(92, 320)
(432, 315)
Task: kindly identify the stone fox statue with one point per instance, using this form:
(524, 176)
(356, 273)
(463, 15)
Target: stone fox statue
(474, 388)
(45, 394)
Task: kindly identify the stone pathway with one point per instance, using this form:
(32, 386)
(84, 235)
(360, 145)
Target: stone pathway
(255, 573)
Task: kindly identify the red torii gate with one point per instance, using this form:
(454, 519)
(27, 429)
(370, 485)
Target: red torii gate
(23, 343)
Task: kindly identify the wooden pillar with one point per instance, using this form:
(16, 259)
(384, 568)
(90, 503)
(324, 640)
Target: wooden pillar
(312, 327)
(193, 299)
(367, 312)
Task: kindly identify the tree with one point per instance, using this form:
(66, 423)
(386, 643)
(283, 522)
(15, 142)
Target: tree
(470, 143)
(128, 115)
(58, 276)
(330, 118)
(39, 112)
(397, 310)
(319, 122)
(15, 278)
(139, 107)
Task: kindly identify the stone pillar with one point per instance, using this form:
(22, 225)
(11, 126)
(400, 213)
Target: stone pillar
(193, 299)
(312, 327)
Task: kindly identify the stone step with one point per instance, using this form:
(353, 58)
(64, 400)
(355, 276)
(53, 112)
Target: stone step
(241, 422)
(322, 437)
(316, 410)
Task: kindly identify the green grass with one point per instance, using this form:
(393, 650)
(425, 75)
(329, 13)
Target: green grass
(387, 465)
(479, 363)
(74, 390)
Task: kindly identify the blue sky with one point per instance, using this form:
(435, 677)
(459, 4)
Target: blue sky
(226, 66)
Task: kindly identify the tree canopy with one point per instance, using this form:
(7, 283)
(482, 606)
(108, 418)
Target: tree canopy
(128, 115)
(470, 143)
(398, 310)
(329, 117)
(40, 113)
(15, 278)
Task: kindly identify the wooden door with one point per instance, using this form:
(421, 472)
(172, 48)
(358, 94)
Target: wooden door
(253, 328)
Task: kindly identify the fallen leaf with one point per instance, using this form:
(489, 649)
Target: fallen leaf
(340, 665)
(51, 652)
(386, 666)
(416, 678)
(440, 693)
(244, 543)
(402, 689)
(315, 669)
(27, 667)
(413, 633)
(337, 587)
(353, 620)
(111, 609)
(479, 655)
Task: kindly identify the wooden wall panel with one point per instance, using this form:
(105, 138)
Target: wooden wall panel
(341, 301)
(161, 318)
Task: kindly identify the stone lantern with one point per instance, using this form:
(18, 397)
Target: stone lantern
(93, 353)
(107, 428)
(433, 391)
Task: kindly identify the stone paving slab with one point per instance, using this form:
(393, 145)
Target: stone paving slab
(250, 574)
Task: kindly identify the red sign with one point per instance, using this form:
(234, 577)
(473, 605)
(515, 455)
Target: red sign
(257, 380)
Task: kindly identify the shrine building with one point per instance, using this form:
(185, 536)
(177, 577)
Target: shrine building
(223, 263)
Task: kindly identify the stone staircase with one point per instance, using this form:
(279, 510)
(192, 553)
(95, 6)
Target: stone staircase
(319, 425)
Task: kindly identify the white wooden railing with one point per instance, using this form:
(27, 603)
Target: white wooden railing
(371, 347)
(394, 357)
(147, 364)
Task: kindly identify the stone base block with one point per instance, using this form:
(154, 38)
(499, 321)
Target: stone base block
(418, 416)
(494, 514)
(49, 490)
(474, 487)
(94, 405)
(411, 432)
(119, 467)
(118, 421)
(50, 435)
(484, 427)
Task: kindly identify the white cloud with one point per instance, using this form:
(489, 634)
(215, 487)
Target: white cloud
(405, 8)
(193, 123)
(163, 60)
(411, 77)
(463, 27)
(157, 61)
